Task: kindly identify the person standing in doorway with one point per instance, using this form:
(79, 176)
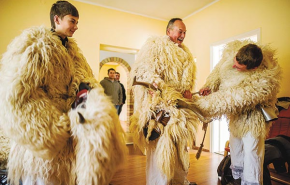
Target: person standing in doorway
(113, 88)
(117, 78)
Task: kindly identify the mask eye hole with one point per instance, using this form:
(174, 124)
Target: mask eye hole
(81, 118)
(83, 106)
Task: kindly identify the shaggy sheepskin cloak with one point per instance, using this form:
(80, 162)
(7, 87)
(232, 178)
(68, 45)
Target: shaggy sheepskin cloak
(172, 68)
(39, 81)
(240, 95)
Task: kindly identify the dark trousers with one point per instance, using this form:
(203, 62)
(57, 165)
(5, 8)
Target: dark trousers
(117, 108)
(120, 109)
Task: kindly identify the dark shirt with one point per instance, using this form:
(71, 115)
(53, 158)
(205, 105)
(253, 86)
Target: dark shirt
(123, 92)
(63, 41)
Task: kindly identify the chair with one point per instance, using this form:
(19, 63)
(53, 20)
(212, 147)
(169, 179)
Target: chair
(3, 177)
(227, 148)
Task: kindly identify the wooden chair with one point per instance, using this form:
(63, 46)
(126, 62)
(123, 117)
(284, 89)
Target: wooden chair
(227, 148)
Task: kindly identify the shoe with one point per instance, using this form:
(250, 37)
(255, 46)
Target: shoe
(237, 181)
(192, 183)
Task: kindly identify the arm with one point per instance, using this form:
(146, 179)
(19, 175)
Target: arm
(83, 71)
(212, 81)
(120, 94)
(102, 84)
(259, 88)
(30, 117)
(154, 65)
(124, 94)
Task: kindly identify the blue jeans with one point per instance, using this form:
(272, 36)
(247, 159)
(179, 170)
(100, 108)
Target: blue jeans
(117, 108)
(120, 109)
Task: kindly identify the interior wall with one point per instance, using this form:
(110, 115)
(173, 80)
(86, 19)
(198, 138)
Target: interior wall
(228, 18)
(97, 25)
(128, 57)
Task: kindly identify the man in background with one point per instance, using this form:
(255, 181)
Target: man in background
(113, 88)
(117, 78)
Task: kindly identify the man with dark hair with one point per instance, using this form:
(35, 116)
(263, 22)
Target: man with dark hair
(250, 56)
(61, 9)
(168, 63)
(64, 19)
(246, 79)
(117, 78)
(113, 89)
(170, 24)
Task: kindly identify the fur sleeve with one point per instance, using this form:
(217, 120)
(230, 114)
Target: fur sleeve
(30, 117)
(213, 80)
(155, 63)
(172, 68)
(82, 71)
(259, 88)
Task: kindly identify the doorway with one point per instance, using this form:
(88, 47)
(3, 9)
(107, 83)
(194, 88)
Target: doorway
(121, 59)
(116, 63)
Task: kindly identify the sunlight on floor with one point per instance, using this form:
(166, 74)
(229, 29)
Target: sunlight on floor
(129, 137)
(124, 125)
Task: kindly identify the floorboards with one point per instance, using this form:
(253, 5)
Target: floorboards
(202, 171)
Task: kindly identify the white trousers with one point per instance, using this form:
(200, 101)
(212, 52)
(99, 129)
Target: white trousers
(247, 157)
(155, 177)
(39, 181)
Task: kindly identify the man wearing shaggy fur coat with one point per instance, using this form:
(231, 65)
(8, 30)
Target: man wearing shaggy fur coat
(246, 79)
(52, 143)
(168, 63)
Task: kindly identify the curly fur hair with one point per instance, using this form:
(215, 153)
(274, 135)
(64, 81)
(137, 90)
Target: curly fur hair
(41, 78)
(241, 94)
(172, 68)
(100, 129)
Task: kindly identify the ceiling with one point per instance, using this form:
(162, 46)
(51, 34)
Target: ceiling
(157, 9)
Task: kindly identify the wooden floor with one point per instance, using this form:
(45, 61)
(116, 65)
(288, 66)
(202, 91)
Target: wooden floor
(202, 171)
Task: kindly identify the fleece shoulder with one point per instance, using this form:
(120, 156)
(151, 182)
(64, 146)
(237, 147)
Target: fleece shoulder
(38, 37)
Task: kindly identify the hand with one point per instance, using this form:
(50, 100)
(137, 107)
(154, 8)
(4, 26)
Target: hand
(204, 92)
(155, 85)
(151, 92)
(187, 94)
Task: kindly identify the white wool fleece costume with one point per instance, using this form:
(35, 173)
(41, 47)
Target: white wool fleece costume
(39, 81)
(239, 95)
(172, 68)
